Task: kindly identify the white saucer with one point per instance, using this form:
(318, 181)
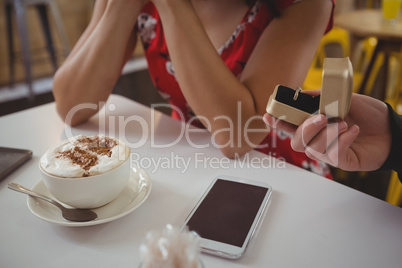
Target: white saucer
(132, 196)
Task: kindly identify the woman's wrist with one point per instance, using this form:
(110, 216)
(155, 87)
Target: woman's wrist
(127, 3)
(172, 7)
(127, 9)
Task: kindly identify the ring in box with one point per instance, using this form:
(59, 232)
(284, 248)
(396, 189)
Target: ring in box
(295, 107)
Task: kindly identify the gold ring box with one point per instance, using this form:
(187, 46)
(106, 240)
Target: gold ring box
(295, 107)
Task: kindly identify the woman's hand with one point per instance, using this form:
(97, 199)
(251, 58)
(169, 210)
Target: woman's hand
(361, 142)
(91, 70)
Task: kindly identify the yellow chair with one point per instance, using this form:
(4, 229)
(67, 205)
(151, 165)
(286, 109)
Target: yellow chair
(394, 193)
(335, 36)
(363, 52)
(362, 55)
(359, 73)
(394, 90)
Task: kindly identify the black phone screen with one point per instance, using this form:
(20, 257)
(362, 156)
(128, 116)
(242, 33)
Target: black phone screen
(227, 212)
(11, 159)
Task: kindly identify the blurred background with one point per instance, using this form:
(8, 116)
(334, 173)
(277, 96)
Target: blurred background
(37, 35)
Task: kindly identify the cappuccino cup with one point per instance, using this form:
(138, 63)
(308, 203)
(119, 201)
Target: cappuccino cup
(86, 171)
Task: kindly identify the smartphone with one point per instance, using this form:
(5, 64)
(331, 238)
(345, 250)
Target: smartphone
(227, 215)
(11, 159)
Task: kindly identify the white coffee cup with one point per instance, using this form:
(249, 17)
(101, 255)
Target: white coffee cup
(89, 191)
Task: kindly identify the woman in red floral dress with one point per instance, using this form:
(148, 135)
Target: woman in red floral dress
(215, 61)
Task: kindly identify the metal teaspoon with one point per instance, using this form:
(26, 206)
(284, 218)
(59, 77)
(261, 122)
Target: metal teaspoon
(71, 214)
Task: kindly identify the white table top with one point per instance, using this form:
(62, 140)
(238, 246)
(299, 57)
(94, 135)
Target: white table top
(311, 222)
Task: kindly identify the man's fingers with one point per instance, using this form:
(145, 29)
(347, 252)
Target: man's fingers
(339, 154)
(277, 123)
(326, 138)
(307, 131)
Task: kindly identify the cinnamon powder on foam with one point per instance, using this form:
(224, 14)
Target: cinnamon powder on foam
(86, 150)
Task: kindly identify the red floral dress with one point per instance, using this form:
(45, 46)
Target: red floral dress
(235, 53)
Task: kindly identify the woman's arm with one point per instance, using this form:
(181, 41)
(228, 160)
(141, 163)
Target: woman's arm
(282, 56)
(91, 70)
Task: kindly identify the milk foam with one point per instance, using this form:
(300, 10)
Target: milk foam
(57, 161)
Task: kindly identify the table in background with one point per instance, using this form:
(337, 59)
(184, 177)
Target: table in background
(369, 22)
(311, 222)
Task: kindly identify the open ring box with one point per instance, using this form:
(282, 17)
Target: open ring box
(295, 107)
